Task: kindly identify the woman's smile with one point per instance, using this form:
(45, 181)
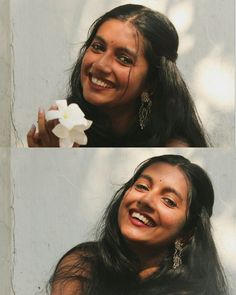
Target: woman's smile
(100, 83)
(139, 218)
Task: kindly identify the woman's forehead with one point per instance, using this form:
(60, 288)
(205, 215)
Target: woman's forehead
(121, 33)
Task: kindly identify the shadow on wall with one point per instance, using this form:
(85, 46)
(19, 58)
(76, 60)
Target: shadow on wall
(207, 51)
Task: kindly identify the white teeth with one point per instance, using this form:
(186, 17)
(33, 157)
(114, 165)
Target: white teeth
(141, 218)
(99, 82)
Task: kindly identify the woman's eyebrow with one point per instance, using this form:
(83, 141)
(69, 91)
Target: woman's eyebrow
(124, 49)
(147, 177)
(99, 38)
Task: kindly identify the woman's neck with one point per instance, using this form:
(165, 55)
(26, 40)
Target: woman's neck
(149, 259)
(121, 118)
(150, 264)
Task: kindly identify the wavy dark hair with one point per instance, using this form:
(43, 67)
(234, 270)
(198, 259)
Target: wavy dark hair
(173, 113)
(114, 269)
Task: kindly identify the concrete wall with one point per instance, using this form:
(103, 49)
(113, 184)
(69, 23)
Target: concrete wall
(6, 251)
(5, 74)
(48, 34)
(59, 196)
(5, 197)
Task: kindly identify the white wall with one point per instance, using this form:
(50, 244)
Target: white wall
(59, 195)
(5, 224)
(48, 34)
(5, 102)
(5, 74)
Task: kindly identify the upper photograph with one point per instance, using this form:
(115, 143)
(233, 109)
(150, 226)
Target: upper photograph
(122, 73)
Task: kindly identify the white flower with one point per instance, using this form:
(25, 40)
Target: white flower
(72, 124)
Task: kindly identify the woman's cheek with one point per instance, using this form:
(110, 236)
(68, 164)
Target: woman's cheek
(171, 219)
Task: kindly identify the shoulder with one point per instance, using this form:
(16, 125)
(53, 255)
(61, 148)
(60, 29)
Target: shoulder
(73, 270)
(79, 255)
(83, 248)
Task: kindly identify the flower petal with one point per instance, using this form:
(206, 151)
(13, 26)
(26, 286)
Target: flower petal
(66, 142)
(84, 124)
(88, 124)
(62, 105)
(78, 135)
(61, 131)
(53, 114)
(68, 123)
(75, 111)
(74, 116)
(80, 138)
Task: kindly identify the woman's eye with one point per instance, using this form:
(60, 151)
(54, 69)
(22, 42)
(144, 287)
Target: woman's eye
(125, 60)
(97, 47)
(141, 187)
(169, 202)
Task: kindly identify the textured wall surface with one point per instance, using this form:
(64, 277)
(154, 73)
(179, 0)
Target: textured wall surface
(60, 196)
(5, 102)
(47, 36)
(5, 223)
(5, 74)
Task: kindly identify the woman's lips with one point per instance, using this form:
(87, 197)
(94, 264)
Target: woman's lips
(99, 83)
(141, 219)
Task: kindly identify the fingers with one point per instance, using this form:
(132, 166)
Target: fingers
(32, 138)
(52, 123)
(76, 145)
(44, 137)
(43, 134)
(53, 107)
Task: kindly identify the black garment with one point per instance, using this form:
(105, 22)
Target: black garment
(104, 281)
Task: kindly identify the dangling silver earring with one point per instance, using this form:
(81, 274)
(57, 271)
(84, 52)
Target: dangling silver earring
(177, 258)
(145, 109)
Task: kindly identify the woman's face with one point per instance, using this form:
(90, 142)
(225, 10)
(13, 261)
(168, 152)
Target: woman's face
(153, 211)
(114, 68)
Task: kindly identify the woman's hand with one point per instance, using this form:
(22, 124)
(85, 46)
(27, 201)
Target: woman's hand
(44, 137)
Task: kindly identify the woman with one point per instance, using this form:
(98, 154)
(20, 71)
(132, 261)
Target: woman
(155, 238)
(127, 82)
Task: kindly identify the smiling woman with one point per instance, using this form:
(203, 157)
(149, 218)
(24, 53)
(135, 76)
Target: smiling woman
(127, 82)
(155, 238)
(107, 64)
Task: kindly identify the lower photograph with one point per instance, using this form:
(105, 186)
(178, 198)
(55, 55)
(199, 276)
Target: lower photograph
(123, 221)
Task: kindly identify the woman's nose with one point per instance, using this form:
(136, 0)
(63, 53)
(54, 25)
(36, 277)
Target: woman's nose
(146, 202)
(103, 64)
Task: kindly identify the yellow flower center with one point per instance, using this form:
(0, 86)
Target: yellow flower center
(65, 116)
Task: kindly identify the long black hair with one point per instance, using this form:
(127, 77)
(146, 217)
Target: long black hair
(173, 114)
(114, 269)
